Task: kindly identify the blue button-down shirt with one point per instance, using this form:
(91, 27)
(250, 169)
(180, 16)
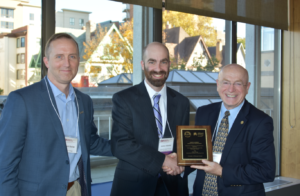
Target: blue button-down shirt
(68, 115)
(233, 114)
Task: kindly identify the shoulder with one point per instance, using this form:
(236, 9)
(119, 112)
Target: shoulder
(210, 107)
(29, 91)
(256, 114)
(81, 94)
(177, 95)
(128, 92)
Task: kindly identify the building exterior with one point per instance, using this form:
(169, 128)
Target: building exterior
(18, 13)
(74, 19)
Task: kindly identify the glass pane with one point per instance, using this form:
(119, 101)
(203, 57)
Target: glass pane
(189, 76)
(18, 26)
(204, 77)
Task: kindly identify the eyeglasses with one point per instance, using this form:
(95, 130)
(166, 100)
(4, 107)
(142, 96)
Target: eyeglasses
(235, 84)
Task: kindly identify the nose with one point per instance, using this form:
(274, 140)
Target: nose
(231, 87)
(66, 62)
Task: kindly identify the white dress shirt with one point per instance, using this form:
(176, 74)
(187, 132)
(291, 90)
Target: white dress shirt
(162, 103)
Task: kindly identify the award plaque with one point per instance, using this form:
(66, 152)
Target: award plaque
(193, 145)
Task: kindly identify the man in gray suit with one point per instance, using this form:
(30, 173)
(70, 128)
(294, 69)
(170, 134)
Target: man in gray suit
(47, 132)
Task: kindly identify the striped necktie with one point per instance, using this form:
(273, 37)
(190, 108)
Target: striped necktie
(157, 115)
(210, 187)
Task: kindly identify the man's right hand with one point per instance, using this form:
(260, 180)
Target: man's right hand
(170, 165)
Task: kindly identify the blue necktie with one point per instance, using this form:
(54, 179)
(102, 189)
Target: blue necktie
(157, 115)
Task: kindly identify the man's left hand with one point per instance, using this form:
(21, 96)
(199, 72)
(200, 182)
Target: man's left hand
(210, 167)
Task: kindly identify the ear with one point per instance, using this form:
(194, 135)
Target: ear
(143, 65)
(46, 61)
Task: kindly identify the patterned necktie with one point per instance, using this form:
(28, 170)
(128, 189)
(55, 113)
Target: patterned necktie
(210, 187)
(157, 115)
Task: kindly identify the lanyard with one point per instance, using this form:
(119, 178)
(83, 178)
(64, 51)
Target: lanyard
(57, 112)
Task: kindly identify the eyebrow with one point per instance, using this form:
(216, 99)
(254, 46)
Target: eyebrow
(165, 59)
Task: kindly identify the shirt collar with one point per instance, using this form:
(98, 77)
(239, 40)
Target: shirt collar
(57, 92)
(152, 92)
(234, 111)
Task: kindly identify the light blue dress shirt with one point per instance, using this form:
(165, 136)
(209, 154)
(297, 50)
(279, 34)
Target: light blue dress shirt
(231, 118)
(68, 115)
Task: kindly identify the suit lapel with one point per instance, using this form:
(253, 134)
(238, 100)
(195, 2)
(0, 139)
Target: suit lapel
(81, 119)
(52, 114)
(236, 129)
(144, 103)
(171, 110)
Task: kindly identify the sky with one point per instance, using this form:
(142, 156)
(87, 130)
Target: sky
(104, 10)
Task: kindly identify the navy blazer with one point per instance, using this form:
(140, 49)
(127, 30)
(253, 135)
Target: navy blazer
(135, 142)
(248, 158)
(33, 154)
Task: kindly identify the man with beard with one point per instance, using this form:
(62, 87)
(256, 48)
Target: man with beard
(144, 131)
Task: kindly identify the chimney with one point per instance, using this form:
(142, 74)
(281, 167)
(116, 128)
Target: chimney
(88, 31)
(219, 48)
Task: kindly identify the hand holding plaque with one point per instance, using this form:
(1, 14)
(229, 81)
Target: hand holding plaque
(193, 145)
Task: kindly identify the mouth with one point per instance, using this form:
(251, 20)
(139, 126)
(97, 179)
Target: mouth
(231, 96)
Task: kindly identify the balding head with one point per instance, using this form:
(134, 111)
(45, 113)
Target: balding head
(153, 45)
(156, 65)
(233, 85)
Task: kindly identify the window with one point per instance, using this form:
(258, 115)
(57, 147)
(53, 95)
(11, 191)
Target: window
(81, 22)
(7, 25)
(20, 58)
(21, 42)
(7, 13)
(267, 39)
(72, 21)
(31, 16)
(20, 74)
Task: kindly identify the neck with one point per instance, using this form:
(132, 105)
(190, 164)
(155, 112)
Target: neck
(64, 88)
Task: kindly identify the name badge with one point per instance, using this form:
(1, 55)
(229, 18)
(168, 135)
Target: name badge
(165, 145)
(217, 157)
(72, 144)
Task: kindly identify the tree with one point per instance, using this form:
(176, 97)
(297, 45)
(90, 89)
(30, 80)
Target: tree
(120, 46)
(242, 41)
(194, 25)
(90, 47)
(1, 91)
(198, 65)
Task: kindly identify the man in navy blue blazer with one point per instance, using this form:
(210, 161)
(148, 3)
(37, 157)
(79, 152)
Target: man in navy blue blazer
(47, 132)
(248, 156)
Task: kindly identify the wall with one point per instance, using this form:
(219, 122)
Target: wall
(290, 155)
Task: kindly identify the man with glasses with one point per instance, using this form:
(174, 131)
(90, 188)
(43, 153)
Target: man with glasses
(242, 136)
(144, 131)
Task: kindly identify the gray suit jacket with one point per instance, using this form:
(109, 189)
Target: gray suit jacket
(33, 154)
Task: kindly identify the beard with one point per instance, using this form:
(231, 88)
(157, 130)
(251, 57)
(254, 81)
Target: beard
(156, 82)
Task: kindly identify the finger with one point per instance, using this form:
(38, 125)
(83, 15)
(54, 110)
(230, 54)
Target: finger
(198, 167)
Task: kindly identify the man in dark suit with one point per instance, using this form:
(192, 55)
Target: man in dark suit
(47, 131)
(145, 117)
(243, 149)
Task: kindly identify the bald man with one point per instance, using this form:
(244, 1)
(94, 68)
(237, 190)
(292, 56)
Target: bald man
(242, 136)
(144, 119)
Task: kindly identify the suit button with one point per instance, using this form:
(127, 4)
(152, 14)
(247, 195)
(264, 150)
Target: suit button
(67, 162)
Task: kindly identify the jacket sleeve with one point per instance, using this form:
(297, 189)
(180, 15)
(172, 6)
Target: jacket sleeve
(13, 128)
(124, 145)
(261, 165)
(98, 145)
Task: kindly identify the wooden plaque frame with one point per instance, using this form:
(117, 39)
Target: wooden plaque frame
(194, 134)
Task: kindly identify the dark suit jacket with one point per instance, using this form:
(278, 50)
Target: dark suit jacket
(248, 158)
(135, 141)
(33, 154)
